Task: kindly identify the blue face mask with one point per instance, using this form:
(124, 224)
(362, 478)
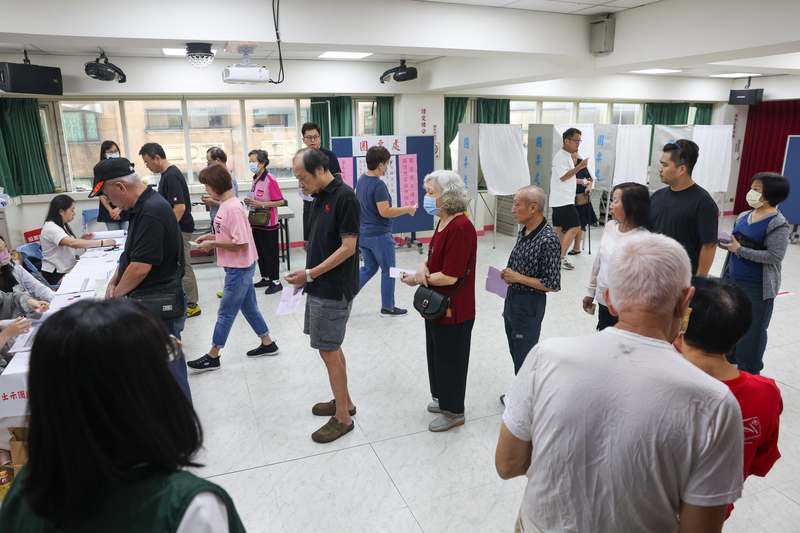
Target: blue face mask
(111, 156)
(430, 206)
(253, 167)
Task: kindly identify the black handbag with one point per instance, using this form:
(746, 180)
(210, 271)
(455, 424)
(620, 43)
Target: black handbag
(433, 304)
(166, 299)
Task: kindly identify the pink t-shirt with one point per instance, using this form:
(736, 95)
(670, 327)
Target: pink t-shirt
(231, 225)
(267, 190)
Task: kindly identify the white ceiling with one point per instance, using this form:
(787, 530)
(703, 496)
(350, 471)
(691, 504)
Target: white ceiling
(570, 7)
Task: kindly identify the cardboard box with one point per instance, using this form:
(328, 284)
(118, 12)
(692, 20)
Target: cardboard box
(18, 446)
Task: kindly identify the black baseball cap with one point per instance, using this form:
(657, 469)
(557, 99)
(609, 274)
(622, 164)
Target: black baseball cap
(108, 169)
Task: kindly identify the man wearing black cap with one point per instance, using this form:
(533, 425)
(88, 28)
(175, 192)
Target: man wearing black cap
(153, 255)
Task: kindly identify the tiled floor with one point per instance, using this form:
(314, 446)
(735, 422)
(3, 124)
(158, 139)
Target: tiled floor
(391, 473)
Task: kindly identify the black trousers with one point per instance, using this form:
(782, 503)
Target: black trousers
(604, 318)
(268, 254)
(523, 314)
(448, 361)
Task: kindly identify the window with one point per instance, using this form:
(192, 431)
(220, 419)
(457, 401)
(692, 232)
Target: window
(271, 125)
(557, 112)
(366, 123)
(201, 117)
(216, 123)
(163, 119)
(48, 148)
(626, 114)
(86, 126)
(523, 113)
(592, 113)
(159, 121)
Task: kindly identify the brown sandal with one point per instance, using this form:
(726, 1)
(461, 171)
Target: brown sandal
(332, 431)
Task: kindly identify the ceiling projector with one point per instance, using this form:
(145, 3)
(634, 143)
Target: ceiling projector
(252, 74)
(104, 71)
(401, 73)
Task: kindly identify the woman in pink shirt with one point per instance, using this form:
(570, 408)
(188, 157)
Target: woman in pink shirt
(266, 194)
(237, 254)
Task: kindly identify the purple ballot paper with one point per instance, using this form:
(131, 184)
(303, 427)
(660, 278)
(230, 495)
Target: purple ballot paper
(495, 284)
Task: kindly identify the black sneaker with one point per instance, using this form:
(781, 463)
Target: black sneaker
(204, 364)
(275, 287)
(269, 349)
(263, 283)
(386, 313)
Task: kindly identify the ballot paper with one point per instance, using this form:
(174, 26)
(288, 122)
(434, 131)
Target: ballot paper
(398, 272)
(289, 301)
(495, 284)
(24, 342)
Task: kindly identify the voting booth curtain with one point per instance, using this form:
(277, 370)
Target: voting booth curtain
(455, 110)
(494, 111)
(385, 115)
(23, 159)
(341, 124)
(765, 137)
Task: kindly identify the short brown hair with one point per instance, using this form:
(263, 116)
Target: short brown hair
(377, 155)
(217, 177)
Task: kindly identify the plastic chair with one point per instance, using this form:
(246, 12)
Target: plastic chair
(32, 249)
(88, 216)
(30, 267)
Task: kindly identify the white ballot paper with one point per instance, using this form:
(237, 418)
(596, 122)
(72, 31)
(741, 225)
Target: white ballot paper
(289, 301)
(398, 272)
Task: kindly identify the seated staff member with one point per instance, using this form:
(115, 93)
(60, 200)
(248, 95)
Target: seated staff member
(57, 240)
(153, 255)
(124, 476)
(721, 315)
(376, 242)
(13, 274)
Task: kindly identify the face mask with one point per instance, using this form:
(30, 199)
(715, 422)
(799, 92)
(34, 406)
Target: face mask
(752, 199)
(430, 206)
(253, 167)
(5, 257)
(111, 156)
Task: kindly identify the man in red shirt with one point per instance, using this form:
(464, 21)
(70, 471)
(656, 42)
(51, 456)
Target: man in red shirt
(721, 315)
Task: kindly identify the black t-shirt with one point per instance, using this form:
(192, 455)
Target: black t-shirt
(689, 216)
(335, 212)
(174, 189)
(153, 238)
(333, 163)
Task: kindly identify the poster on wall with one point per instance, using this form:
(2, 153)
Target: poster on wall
(407, 170)
(346, 164)
(396, 145)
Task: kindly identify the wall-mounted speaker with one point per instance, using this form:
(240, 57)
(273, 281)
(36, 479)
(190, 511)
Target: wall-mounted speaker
(31, 79)
(601, 35)
(746, 96)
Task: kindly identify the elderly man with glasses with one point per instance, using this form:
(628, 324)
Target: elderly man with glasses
(566, 221)
(312, 138)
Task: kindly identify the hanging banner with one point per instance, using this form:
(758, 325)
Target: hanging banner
(396, 145)
(468, 158)
(605, 154)
(540, 154)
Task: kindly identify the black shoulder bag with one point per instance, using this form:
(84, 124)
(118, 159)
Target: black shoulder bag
(433, 304)
(165, 298)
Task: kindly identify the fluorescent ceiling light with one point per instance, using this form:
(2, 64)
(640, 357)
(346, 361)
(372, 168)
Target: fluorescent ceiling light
(344, 55)
(179, 52)
(735, 75)
(655, 71)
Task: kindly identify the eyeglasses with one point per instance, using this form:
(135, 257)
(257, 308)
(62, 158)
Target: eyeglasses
(576, 141)
(311, 137)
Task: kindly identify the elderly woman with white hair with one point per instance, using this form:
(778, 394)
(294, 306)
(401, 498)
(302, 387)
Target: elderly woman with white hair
(450, 268)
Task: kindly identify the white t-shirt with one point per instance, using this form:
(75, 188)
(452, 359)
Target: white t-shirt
(562, 192)
(205, 514)
(55, 258)
(598, 279)
(623, 429)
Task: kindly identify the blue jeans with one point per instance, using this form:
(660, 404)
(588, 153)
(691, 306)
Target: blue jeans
(178, 366)
(238, 294)
(378, 251)
(748, 354)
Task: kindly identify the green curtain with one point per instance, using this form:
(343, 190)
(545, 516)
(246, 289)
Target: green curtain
(23, 159)
(703, 115)
(669, 114)
(494, 111)
(341, 117)
(455, 110)
(385, 116)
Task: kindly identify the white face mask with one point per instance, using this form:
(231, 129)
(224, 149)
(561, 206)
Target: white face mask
(111, 155)
(753, 199)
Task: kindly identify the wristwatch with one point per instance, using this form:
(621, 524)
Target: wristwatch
(309, 279)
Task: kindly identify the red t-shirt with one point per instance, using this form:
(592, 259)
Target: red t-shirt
(451, 252)
(760, 400)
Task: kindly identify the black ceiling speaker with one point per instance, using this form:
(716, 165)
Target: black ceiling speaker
(30, 79)
(746, 96)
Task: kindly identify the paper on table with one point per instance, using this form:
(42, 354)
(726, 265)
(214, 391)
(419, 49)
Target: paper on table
(495, 284)
(24, 342)
(398, 272)
(289, 301)
(118, 235)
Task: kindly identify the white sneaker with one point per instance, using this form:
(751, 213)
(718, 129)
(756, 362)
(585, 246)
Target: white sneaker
(566, 265)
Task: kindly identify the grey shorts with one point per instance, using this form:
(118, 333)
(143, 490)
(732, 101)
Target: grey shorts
(326, 321)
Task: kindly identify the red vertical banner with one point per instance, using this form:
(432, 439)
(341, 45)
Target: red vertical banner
(346, 164)
(407, 171)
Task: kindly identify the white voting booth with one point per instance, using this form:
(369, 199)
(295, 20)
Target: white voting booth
(496, 152)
